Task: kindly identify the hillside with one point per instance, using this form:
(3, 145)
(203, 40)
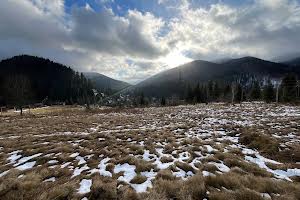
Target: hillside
(105, 83)
(174, 81)
(31, 79)
(293, 62)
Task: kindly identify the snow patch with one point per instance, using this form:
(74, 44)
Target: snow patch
(85, 186)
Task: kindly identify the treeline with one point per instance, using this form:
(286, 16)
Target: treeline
(29, 80)
(286, 90)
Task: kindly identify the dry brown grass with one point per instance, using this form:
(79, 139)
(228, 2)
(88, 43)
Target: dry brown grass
(110, 167)
(127, 193)
(209, 167)
(154, 196)
(221, 195)
(246, 194)
(59, 192)
(185, 166)
(166, 159)
(142, 165)
(103, 189)
(138, 179)
(266, 144)
(30, 187)
(244, 181)
(193, 188)
(242, 194)
(165, 174)
(168, 188)
(246, 167)
(219, 181)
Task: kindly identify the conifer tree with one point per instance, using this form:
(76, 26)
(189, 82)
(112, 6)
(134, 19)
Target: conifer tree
(209, 90)
(239, 93)
(163, 101)
(142, 99)
(18, 91)
(190, 94)
(216, 91)
(197, 93)
(268, 92)
(255, 92)
(289, 88)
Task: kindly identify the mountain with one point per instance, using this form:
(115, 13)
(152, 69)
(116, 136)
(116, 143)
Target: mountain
(286, 57)
(104, 83)
(293, 62)
(169, 82)
(174, 81)
(221, 60)
(29, 79)
(254, 66)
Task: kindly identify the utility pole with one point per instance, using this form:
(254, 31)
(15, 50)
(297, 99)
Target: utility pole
(298, 88)
(207, 94)
(233, 91)
(242, 94)
(277, 93)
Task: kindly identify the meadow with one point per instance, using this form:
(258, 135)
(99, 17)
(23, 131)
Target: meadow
(189, 152)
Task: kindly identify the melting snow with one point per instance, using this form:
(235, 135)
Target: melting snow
(128, 170)
(85, 186)
(102, 168)
(27, 165)
(4, 173)
(209, 148)
(78, 171)
(281, 174)
(80, 160)
(221, 166)
(52, 161)
(52, 179)
(25, 159)
(65, 164)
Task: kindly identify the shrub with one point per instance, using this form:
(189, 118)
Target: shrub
(101, 190)
(165, 174)
(138, 179)
(193, 188)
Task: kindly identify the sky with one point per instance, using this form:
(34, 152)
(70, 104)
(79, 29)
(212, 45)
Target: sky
(131, 40)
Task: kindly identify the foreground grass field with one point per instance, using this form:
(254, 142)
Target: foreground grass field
(215, 151)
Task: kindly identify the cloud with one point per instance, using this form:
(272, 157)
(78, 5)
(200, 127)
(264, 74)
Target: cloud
(26, 27)
(138, 44)
(79, 38)
(54, 8)
(136, 34)
(265, 29)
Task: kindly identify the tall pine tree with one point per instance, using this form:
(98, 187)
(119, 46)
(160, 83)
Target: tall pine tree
(289, 88)
(255, 92)
(268, 92)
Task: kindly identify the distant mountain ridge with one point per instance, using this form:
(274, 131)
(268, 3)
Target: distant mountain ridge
(104, 83)
(172, 81)
(293, 62)
(54, 80)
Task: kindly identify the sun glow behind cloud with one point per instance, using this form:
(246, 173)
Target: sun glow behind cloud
(174, 59)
